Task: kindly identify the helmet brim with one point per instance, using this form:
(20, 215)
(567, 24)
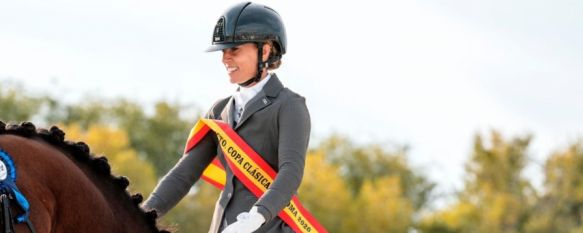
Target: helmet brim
(218, 47)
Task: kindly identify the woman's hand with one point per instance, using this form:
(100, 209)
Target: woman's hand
(247, 222)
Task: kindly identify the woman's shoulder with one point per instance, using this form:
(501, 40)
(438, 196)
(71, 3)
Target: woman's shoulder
(217, 107)
(292, 103)
(287, 95)
(275, 88)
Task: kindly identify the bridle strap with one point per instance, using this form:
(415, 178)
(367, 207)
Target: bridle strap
(30, 226)
(6, 215)
(7, 219)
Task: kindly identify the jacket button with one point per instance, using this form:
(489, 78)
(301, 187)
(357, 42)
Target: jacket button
(229, 195)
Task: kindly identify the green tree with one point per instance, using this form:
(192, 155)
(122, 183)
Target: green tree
(385, 192)
(114, 144)
(561, 207)
(369, 162)
(85, 114)
(324, 193)
(16, 105)
(161, 137)
(381, 207)
(496, 197)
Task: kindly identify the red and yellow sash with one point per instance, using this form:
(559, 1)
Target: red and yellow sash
(250, 169)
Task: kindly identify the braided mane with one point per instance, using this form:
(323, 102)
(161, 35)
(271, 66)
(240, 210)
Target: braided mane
(80, 152)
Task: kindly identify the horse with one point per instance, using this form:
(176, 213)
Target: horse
(69, 190)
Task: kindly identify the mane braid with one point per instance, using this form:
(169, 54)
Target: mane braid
(82, 153)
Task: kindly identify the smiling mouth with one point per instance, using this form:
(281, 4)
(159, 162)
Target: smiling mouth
(232, 69)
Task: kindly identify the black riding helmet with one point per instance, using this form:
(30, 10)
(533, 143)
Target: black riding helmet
(250, 22)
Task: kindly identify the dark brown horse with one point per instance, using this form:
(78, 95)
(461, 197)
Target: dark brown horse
(68, 189)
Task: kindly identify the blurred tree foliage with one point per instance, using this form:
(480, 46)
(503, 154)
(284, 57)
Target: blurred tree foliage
(114, 144)
(16, 105)
(195, 211)
(324, 192)
(368, 187)
(347, 186)
(158, 137)
(561, 207)
(496, 197)
(359, 164)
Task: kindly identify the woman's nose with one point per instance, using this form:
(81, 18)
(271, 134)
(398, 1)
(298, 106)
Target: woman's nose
(226, 56)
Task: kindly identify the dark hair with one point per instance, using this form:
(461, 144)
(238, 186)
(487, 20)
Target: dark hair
(273, 52)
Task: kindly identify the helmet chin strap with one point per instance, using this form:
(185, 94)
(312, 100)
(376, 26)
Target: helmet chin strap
(260, 66)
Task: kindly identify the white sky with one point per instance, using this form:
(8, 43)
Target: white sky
(429, 74)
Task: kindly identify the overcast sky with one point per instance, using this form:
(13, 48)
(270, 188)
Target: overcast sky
(429, 74)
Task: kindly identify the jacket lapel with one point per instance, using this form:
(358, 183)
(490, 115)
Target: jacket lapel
(262, 99)
(227, 113)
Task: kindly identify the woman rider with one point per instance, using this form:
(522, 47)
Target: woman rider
(272, 119)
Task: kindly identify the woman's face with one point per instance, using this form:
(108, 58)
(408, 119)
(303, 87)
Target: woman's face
(241, 61)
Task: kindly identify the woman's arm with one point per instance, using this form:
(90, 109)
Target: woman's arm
(294, 135)
(176, 183)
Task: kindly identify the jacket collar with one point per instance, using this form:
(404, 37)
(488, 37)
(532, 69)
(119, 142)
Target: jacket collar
(263, 99)
(273, 86)
(271, 90)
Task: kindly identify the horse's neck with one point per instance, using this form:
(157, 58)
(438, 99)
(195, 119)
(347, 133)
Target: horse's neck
(88, 200)
(108, 205)
(66, 195)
